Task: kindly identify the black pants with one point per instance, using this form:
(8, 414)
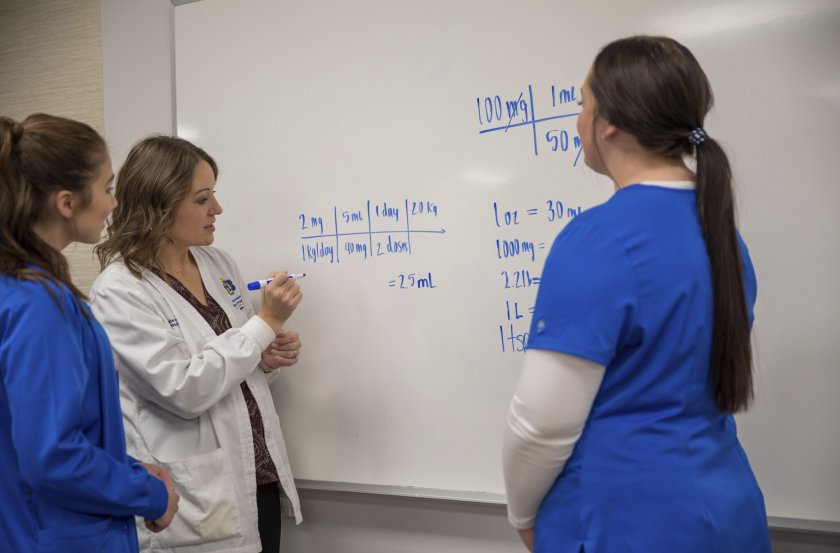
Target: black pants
(268, 516)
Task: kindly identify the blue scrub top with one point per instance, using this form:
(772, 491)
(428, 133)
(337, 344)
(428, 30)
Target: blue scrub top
(627, 285)
(66, 482)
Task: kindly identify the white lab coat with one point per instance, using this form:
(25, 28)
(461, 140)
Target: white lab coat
(182, 403)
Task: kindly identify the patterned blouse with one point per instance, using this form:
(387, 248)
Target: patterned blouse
(219, 322)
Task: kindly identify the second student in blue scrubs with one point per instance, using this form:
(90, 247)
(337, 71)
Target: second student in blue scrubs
(620, 436)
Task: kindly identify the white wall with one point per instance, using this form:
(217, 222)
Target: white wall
(137, 69)
(137, 57)
(354, 523)
(51, 62)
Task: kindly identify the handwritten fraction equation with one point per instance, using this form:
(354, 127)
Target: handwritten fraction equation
(499, 113)
(526, 230)
(372, 230)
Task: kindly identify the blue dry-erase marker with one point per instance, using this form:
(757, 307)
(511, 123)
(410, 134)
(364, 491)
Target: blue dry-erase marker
(260, 284)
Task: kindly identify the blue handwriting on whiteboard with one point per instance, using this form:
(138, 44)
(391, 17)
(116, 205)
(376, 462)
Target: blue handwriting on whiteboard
(497, 113)
(374, 230)
(411, 280)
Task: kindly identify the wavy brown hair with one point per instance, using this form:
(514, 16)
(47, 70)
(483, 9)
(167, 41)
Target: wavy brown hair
(654, 89)
(38, 157)
(151, 184)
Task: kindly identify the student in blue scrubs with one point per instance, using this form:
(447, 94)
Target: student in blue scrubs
(620, 435)
(66, 482)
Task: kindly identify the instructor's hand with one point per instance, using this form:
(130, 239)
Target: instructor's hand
(280, 298)
(282, 352)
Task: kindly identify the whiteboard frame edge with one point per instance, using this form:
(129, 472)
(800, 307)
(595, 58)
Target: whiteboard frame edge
(409, 492)
(805, 526)
(782, 524)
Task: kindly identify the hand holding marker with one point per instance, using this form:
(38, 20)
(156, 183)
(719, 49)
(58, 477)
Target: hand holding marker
(260, 284)
(280, 297)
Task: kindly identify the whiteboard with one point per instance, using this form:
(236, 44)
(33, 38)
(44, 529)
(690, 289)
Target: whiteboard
(416, 160)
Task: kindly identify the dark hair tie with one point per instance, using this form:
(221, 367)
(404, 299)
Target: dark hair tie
(697, 136)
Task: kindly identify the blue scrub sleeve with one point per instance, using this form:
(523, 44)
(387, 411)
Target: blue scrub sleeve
(750, 284)
(587, 301)
(46, 382)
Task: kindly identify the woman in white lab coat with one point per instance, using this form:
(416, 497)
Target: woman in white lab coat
(195, 361)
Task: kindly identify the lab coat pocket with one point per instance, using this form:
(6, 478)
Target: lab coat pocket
(207, 509)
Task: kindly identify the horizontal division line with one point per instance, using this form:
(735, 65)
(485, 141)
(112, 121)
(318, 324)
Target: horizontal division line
(367, 232)
(534, 122)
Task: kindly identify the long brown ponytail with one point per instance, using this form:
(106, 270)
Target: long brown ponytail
(654, 89)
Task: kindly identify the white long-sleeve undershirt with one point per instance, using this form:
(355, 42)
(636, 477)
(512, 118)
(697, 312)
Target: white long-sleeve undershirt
(547, 416)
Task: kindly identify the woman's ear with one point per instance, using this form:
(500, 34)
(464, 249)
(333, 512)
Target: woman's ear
(610, 131)
(64, 202)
